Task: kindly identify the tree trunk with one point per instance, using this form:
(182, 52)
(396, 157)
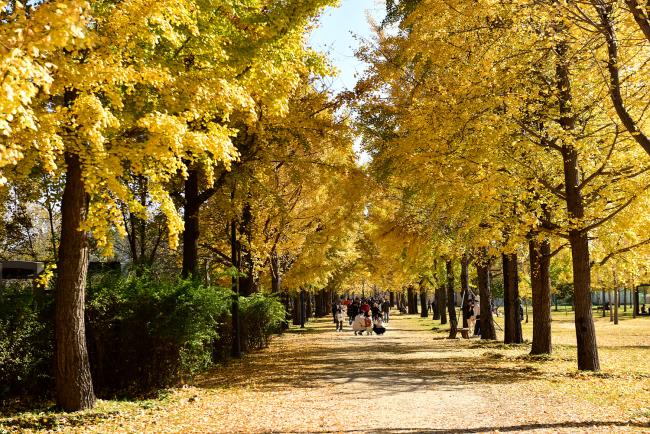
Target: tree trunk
(617, 296)
(635, 302)
(287, 308)
(329, 299)
(303, 309)
(391, 296)
(308, 306)
(415, 301)
(488, 331)
(465, 291)
(441, 291)
(603, 295)
(248, 284)
(235, 260)
(435, 306)
(297, 311)
(451, 305)
(191, 231)
(424, 310)
(74, 387)
(276, 277)
(409, 296)
(578, 237)
(584, 322)
(512, 315)
(540, 262)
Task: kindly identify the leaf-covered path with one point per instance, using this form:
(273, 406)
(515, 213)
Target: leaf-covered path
(409, 381)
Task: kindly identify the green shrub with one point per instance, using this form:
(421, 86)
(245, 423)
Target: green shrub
(146, 333)
(142, 332)
(261, 316)
(26, 341)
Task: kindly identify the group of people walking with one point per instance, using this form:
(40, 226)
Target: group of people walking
(364, 315)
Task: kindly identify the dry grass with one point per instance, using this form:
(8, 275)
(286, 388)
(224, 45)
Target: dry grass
(411, 380)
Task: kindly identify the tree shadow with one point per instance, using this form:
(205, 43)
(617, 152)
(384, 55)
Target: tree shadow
(387, 365)
(504, 428)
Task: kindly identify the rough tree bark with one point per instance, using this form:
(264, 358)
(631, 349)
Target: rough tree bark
(488, 331)
(415, 301)
(434, 307)
(578, 237)
(191, 232)
(276, 274)
(409, 298)
(248, 284)
(441, 297)
(424, 310)
(540, 262)
(286, 302)
(235, 257)
(512, 316)
(451, 306)
(74, 387)
(296, 312)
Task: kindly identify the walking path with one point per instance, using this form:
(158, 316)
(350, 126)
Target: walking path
(407, 381)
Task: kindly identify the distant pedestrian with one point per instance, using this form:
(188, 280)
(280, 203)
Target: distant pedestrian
(339, 318)
(375, 310)
(477, 316)
(385, 308)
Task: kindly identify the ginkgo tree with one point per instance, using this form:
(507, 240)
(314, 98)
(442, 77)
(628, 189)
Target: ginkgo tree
(149, 90)
(294, 204)
(482, 95)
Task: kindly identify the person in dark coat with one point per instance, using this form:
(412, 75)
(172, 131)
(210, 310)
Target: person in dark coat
(378, 326)
(353, 310)
(385, 308)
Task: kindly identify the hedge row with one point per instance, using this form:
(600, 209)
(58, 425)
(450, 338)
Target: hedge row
(143, 333)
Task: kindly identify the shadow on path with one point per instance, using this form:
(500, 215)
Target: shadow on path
(506, 428)
(386, 364)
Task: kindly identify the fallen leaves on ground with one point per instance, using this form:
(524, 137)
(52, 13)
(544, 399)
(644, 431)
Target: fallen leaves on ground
(410, 380)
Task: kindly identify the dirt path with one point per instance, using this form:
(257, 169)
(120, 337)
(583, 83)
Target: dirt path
(408, 381)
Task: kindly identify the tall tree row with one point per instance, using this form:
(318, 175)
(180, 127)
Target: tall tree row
(493, 135)
(114, 92)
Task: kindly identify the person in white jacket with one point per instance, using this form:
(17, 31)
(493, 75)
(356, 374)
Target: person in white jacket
(360, 324)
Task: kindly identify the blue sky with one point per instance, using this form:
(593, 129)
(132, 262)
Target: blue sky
(336, 36)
